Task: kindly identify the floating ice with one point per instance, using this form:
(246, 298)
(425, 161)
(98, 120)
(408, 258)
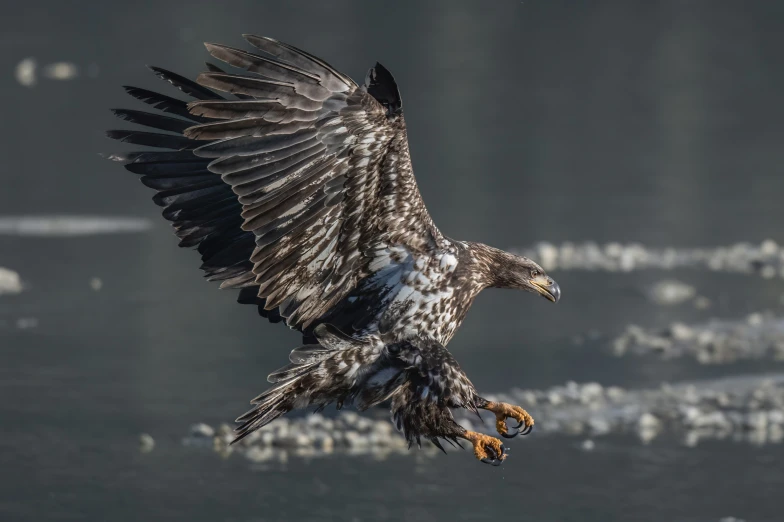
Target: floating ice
(70, 225)
(718, 341)
(96, 283)
(741, 408)
(671, 292)
(146, 443)
(27, 71)
(10, 282)
(60, 71)
(765, 259)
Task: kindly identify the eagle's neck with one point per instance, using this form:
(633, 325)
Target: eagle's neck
(493, 268)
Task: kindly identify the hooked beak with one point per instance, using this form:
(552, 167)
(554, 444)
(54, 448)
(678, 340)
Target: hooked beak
(546, 287)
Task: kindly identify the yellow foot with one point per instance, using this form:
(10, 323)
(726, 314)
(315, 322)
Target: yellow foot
(486, 448)
(505, 411)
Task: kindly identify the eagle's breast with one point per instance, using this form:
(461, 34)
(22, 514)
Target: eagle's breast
(422, 294)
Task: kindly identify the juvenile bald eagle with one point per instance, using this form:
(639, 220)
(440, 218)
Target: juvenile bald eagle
(297, 189)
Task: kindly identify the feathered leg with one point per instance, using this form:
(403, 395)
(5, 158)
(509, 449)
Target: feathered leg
(435, 383)
(433, 420)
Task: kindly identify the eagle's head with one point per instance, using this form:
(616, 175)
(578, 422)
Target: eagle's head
(532, 278)
(499, 269)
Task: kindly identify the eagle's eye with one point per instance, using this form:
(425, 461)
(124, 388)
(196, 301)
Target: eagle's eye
(535, 273)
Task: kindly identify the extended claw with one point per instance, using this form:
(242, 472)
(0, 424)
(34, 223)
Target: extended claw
(488, 450)
(511, 434)
(494, 459)
(525, 431)
(492, 452)
(492, 462)
(505, 411)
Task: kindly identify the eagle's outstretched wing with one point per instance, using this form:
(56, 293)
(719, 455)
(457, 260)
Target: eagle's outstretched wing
(289, 191)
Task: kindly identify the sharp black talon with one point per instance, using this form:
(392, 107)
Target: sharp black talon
(527, 430)
(493, 454)
(520, 425)
(503, 450)
(510, 435)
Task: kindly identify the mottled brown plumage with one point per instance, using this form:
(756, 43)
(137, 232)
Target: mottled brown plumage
(298, 190)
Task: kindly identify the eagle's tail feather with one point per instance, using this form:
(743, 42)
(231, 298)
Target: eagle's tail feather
(260, 416)
(318, 374)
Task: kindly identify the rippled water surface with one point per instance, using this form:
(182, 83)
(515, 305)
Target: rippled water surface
(649, 122)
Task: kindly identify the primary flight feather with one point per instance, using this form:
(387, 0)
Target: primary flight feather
(297, 188)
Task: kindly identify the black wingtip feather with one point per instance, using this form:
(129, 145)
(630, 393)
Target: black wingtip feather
(155, 121)
(212, 67)
(382, 86)
(187, 86)
(151, 139)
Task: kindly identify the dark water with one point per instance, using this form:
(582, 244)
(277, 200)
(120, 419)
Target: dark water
(657, 122)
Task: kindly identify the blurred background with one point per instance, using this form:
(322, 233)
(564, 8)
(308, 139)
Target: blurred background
(640, 139)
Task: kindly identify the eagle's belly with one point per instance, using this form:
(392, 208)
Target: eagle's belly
(416, 294)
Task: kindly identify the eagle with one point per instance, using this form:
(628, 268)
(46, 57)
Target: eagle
(295, 185)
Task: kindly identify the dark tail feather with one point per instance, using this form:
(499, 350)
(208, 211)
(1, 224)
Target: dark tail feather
(309, 380)
(256, 422)
(270, 405)
(295, 384)
(437, 444)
